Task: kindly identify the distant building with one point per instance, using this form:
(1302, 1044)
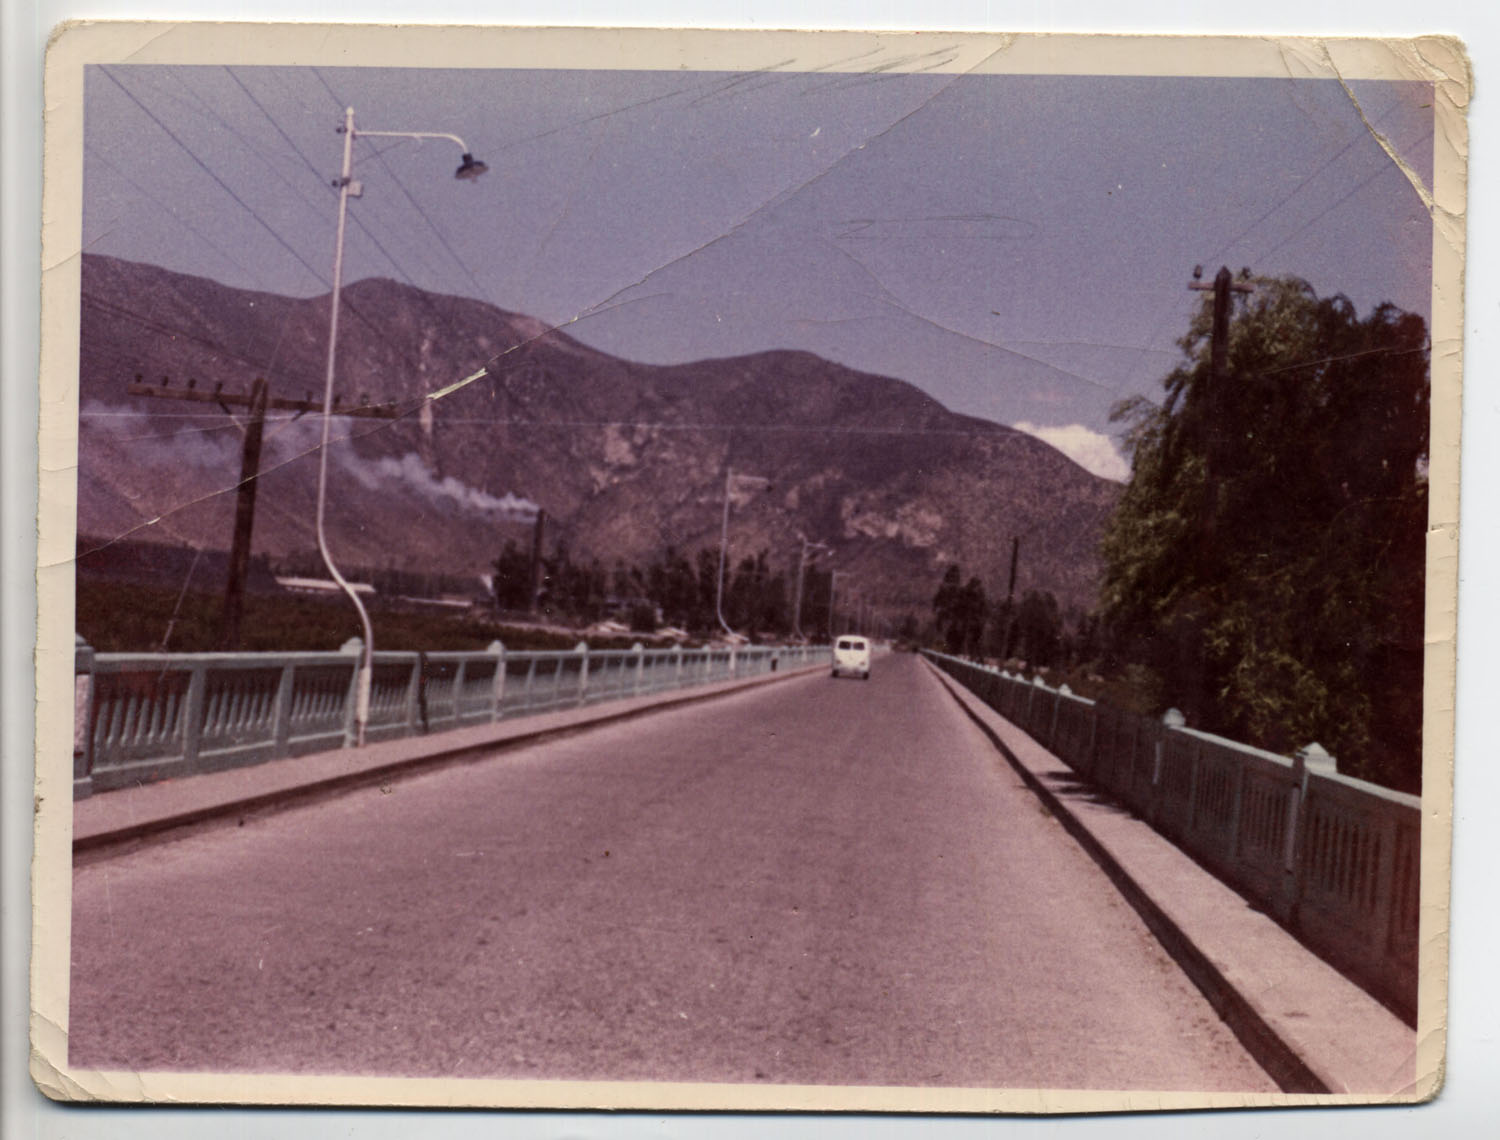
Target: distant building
(322, 587)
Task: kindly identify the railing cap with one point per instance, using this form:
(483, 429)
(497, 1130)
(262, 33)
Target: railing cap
(1173, 718)
(353, 645)
(1316, 757)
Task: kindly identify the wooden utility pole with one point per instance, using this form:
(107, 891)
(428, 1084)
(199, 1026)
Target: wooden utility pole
(1010, 598)
(1222, 286)
(257, 400)
(244, 519)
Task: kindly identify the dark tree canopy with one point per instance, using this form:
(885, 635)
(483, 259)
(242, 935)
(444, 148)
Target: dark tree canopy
(960, 611)
(513, 578)
(1267, 556)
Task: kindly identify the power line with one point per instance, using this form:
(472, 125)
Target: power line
(354, 216)
(1277, 205)
(99, 156)
(1385, 167)
(156, 325)
(479, 289)
(391, 258)
(1360, 135)
(281, 241)
(270, 365)
(353, 309)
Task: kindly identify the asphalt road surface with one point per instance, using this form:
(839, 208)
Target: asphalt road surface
(818, 881)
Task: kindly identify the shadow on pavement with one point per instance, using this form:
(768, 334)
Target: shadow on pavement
(1066, 784)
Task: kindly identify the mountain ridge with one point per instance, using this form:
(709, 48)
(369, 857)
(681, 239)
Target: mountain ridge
(626, 457)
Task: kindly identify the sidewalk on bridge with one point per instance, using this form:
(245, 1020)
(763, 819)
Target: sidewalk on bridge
(1294, 1011)
(111, 819)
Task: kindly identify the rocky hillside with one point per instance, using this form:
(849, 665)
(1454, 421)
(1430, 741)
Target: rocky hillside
(626, 458)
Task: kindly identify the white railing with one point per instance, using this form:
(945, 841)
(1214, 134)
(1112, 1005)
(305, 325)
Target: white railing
(146, 716)
(1334, 859)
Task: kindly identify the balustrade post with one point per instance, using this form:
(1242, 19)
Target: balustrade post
(1290, 893)
(354, 647)
(677, 667)
(1090, 751)
(1195, 763)
(582, 649)
(640, 665)
(1235, 809)
(1384, 886)
(733, 660)
(1170, 719)
(281, 718)
(83, 718)
(1306, 762)
(192, 714)
(458, 690)
(497, 686)
(413, 695)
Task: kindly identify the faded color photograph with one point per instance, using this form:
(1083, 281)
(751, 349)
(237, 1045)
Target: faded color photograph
(829, 571)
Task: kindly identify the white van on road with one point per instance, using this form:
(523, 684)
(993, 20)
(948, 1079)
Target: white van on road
(851, 655)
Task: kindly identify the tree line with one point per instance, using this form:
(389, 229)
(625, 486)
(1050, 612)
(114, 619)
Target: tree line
(1264, 568)
(1035, 630)
(1268, 556)
(674, 589)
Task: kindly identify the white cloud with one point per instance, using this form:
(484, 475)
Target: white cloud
(1092, 450)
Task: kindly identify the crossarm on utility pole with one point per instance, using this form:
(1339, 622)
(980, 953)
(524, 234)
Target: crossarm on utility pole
(217, 395)
(258, 401)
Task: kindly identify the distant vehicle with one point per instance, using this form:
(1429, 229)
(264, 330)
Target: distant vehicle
(851, 655)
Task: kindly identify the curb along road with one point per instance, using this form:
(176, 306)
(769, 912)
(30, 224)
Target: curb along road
(103, 837)
(1312, 1030)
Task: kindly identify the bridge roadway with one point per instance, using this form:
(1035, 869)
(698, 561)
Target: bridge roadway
(821, 882)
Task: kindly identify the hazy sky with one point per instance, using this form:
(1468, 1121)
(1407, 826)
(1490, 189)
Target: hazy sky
(1019, 247)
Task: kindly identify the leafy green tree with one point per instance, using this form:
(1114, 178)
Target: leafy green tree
(672, 585)
(960, 611)
(1039, 629)
(973, 615)
(708, 588)
(513, 578)
(1266, 558)
(755, 599)
(947, 609)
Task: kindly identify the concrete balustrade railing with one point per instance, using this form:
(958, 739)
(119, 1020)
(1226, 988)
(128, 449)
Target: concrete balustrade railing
(1334, 859)
(144, 716)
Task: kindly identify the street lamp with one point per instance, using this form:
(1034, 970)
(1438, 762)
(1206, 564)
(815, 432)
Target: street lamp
(347, 187)
(732, 482)
(833, 591)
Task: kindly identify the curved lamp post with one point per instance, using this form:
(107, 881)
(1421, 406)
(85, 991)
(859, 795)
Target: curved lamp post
(833, 593)
(732, 483)
(468, 170)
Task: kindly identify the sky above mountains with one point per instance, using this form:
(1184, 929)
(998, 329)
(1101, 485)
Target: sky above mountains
(1017, 246)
